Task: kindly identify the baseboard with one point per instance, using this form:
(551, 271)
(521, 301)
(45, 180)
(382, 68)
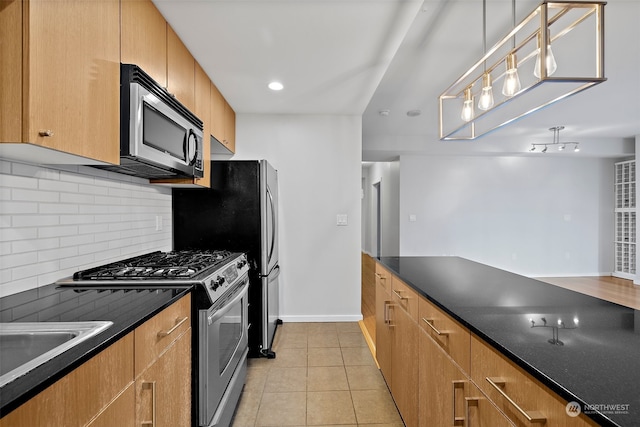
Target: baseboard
(321, 318)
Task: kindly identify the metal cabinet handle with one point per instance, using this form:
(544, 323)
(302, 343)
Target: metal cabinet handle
(387, 314)
(399, 295)
(430, 323)
(152, 385)
(468, 402)
(456, 385)
(532, 417)
(46, 132)
(380, 276)
(179, 323)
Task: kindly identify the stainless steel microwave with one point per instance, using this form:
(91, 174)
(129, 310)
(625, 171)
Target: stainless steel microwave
(159, 137)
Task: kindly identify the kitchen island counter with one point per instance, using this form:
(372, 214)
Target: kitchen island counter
(598, 362)
(127, 309)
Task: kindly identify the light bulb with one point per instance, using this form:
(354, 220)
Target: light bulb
(576, 149)
(467, 108)
(511, 79)
(550, 61)
(486, 97)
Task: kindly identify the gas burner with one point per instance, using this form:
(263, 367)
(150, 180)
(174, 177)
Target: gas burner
(159, 265)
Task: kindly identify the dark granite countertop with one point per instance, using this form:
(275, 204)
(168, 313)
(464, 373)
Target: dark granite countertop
(126, 309)
(599, 363)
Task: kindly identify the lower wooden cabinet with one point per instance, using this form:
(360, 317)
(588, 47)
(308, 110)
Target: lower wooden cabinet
(119, 412)
(383, 321)
(163, 390)
(447, 397)
(142, 379)
(440, 374)
(88, 391)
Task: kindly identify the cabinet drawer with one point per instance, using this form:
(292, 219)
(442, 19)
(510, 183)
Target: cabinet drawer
(452, 337)
(405, 297)
(516, 393)
(154, 336)
(383, 278)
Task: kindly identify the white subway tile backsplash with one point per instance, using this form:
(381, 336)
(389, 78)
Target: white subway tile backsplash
(34, 245)
(60, 219)
(20, 194)
(9, 234)
(57, 231)
(35, 220)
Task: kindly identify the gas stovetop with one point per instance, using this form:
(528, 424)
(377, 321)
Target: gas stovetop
(212, 271)
(160, 265)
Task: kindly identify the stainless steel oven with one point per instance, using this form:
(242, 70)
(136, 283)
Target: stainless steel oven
(223, 353)
(220, 282)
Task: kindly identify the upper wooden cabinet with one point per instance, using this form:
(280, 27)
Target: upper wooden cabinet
(181, 70)
(65, 84)
(223, 123)
(144, 38)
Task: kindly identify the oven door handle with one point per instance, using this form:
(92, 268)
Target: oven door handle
(227, 306)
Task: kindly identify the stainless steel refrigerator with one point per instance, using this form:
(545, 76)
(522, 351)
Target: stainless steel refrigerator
(238, 213)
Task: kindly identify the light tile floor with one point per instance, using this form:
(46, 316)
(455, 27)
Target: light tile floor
(323, 375)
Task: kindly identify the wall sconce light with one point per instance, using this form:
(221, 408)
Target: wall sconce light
(556, 141)
(576, 30)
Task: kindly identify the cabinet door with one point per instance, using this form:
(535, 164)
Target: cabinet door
(163, 390)
(516, 393)
(180, 70)
(442, 386)
(72, 97)
(144, 38)
(217, 114)
(384, 330)
(10, 71)
(447, 397)
(229, 127)
(404, 366)
(120, 412)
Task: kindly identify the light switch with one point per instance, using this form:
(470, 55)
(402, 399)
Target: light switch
(412, 218)
(342, 219)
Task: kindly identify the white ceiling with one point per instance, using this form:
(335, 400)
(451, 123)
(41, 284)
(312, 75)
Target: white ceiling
(363, 56)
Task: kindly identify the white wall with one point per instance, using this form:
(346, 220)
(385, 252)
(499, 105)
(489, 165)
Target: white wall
(54, 222)
(537, 216)
(387, 174)
(318, 162)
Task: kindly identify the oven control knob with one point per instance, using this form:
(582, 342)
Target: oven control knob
(217, 282)
(241, 263)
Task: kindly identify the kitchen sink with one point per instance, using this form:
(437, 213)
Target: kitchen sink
(27, 345)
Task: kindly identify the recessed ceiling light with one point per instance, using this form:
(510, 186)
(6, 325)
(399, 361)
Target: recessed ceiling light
(276, 86)
(414, 113)
(384, 113)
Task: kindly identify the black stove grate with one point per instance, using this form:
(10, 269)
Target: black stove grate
(158, 265)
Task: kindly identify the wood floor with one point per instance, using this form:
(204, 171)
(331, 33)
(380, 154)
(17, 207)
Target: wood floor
(614, 289)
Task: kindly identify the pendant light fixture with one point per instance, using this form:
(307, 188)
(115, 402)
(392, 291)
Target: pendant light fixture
(486, 96)
(511, 84)
(550, 60)
(522, 94)
(467, 108)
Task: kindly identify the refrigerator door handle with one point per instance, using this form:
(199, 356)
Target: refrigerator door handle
(274, 273)
(273, 225)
